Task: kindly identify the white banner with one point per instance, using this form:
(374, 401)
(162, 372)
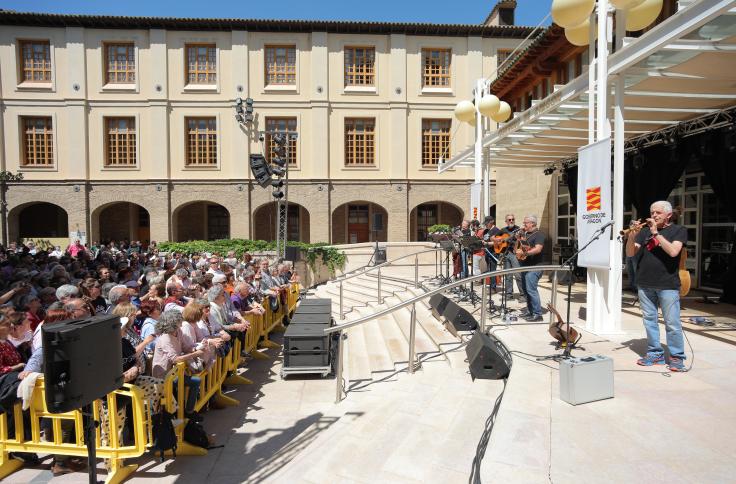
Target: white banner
(594, 203)
(475, 201)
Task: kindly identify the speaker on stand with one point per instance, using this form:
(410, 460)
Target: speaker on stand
(488, 358)
(82, 362)
(379, 254)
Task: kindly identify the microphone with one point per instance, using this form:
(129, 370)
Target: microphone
(606, 225)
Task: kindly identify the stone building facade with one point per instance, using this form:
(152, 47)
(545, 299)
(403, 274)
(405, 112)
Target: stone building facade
(64, 107)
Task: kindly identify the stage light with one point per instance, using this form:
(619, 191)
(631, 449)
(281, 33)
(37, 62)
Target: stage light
(278, 161)
(278, 171)
(260, 169)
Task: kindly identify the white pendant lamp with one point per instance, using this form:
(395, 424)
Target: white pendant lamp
(580, 34)
(626, 4)
(643, 15)
(503, 113)
(465, 111)
(569, 13)
(489, 105)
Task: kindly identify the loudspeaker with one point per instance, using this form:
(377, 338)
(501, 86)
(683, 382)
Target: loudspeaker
(379, 255)
(488, 358)
(438, 304)
(82, 361)
(292, 253)
(377, 222)
(461, 319)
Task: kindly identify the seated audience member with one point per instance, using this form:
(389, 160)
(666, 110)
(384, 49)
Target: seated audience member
(175, 299)
(92, 294)
(118, 295)
(127, 310)
(10, 358)
(151, 311)
(169, 351)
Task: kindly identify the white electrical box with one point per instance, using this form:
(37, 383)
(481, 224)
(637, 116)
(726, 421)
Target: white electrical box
(586, 379)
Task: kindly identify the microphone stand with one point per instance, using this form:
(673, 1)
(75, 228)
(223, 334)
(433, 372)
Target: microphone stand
(570, 262)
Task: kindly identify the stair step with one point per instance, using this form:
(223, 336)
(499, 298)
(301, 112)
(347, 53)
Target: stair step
(358, 359)
(378, 353)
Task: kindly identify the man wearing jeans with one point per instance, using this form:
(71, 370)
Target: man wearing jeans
(530, 254)
(510, 260)
(656, 246)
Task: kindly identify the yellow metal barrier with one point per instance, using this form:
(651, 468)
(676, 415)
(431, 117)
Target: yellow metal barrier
(223, 370)
(112, 449)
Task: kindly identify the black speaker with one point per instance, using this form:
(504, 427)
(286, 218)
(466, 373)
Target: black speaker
(461, 319)
(379, 255)
(377, 222)
(82, 361)
(437, 304)
(488, 358)
(292, 253)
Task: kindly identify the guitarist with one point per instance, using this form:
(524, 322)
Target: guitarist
(656, 245)
(505, 235)
(529, 253)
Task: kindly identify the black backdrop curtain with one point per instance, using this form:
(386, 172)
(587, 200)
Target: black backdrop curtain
(654, 174)
(720, 171)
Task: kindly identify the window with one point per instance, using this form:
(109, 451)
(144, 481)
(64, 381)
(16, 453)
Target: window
(120, 149)
(501, 56)
(201, 141)
(435, 141)
(36, 65)
(282, 125)
(120, 67)
(436, 67)
(201, 64)
(360, 66)
(280, 65)
(38, 141)
(359, 141)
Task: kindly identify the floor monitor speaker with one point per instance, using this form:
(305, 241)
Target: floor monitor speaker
(82, 361)
(438, 304)
(460, 318)
(488, 357)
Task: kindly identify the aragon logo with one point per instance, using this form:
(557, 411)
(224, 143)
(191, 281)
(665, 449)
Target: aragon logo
(593, 199)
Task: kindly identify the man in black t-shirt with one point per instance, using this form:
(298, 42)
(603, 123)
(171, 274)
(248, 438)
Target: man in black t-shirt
(656, 248)
(531, 255)
(510, 259)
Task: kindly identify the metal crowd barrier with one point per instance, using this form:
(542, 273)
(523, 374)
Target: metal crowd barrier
(223, 370)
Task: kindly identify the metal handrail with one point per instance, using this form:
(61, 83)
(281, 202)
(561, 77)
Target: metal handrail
(412, 364)
(367, 269)
(378, 267)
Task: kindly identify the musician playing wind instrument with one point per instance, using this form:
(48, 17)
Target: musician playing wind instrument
(656, 245)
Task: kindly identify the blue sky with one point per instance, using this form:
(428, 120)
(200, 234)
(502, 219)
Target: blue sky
(528, 12)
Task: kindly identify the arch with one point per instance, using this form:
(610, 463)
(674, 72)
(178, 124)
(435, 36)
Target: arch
(353, 222)
(427, 214)
(121, 221)
(39, 221)
(265, 219)
(200, 220)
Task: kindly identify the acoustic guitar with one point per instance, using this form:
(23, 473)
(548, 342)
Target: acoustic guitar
(501, 245)
(684, 274)
(558, 330)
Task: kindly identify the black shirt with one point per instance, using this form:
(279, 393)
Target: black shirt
(533, 239)
(654, 267)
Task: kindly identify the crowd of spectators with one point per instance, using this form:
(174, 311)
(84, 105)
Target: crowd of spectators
(172, 307)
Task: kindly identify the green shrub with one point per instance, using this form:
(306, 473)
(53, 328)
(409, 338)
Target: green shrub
(439, 229)
(331, 257)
